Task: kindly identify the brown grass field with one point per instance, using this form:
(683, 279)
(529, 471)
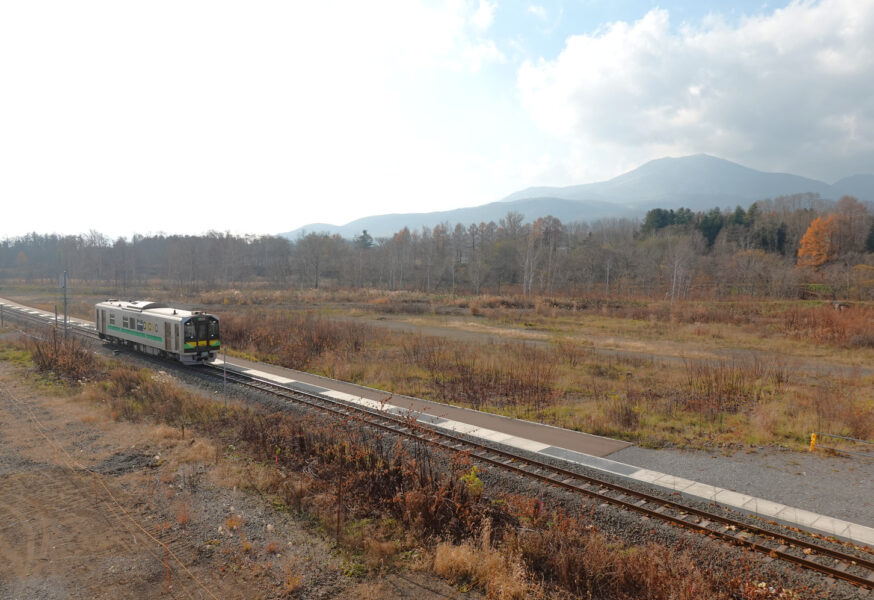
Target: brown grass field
(696, 374)
(394, 513)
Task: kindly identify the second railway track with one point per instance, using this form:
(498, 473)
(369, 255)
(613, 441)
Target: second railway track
(855, 567)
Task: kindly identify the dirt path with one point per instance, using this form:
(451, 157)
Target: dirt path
(94, 508)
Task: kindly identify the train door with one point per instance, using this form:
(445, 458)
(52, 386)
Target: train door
(202, 334)
(167, 341)
(214, 342)
(190, 332)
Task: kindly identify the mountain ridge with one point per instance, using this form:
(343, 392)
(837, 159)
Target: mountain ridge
(698, 182)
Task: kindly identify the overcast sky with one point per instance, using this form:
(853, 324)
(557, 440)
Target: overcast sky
(261, 117)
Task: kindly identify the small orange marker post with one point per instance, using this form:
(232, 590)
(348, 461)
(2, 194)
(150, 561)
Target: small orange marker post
(812, 442)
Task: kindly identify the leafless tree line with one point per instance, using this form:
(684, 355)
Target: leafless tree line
(669, 255)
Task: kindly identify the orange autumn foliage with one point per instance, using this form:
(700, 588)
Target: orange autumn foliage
(816, 248)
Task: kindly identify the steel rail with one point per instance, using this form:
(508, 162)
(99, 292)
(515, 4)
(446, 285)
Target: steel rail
(560, 477)
(733, 531)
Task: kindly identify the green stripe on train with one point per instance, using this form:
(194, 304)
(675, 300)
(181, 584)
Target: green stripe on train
(212, 345)
(154, 338)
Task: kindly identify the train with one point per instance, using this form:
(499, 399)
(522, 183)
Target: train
(191, 337)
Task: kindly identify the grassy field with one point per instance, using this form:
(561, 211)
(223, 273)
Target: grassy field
(385, 505)
(688, 374)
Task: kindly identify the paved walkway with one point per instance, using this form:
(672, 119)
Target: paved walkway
(571, 446)
(554, 442)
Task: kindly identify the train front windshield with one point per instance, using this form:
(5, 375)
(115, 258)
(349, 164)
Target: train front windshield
(201, 333)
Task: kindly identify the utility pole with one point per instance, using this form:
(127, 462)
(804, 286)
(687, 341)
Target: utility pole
(65, 304)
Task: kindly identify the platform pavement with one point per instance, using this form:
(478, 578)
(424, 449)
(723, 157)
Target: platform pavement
(853, 532)
(830, 526)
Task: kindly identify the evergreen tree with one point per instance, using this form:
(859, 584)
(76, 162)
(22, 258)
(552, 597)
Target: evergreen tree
(710, 225)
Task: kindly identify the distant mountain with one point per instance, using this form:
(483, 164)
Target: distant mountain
(699, 182)
(860, 186)
(530, 208)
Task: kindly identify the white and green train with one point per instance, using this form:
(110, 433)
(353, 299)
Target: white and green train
(190, 337)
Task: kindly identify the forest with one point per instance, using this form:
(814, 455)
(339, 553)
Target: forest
(798, 246)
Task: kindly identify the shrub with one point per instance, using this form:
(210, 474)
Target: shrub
(68, 357)
(621, 411)
(731, 386)
(294, 340)
(823, 324)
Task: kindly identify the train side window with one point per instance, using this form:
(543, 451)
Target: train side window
(124, 322)
(112, 318)
(139, 325)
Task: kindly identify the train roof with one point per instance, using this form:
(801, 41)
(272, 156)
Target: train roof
(152, 307)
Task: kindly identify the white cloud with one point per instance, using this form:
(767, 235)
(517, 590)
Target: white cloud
(479, 54)
(793, 90)
(266, 114)
(538, 11)
(485, 15)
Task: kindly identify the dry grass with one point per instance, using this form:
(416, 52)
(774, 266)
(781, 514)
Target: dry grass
(365, 490)
(163, 432)
(293, 339)
(823, 325)
(731, 386)
(379, 553)
(842, 407)
(198, 450)
(183, 512)
(292, 578)
(569, 383)
(500, 575)
(372, 590)
(67, 357)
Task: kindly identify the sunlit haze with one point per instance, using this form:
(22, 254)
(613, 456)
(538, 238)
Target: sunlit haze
(184, 117)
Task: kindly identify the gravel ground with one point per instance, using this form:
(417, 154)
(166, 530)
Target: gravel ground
(742, 472)
(830, 485)
(714, 556)
(629, 527)
(63, 536)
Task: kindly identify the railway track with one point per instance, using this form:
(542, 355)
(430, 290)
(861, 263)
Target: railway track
(810, 552)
